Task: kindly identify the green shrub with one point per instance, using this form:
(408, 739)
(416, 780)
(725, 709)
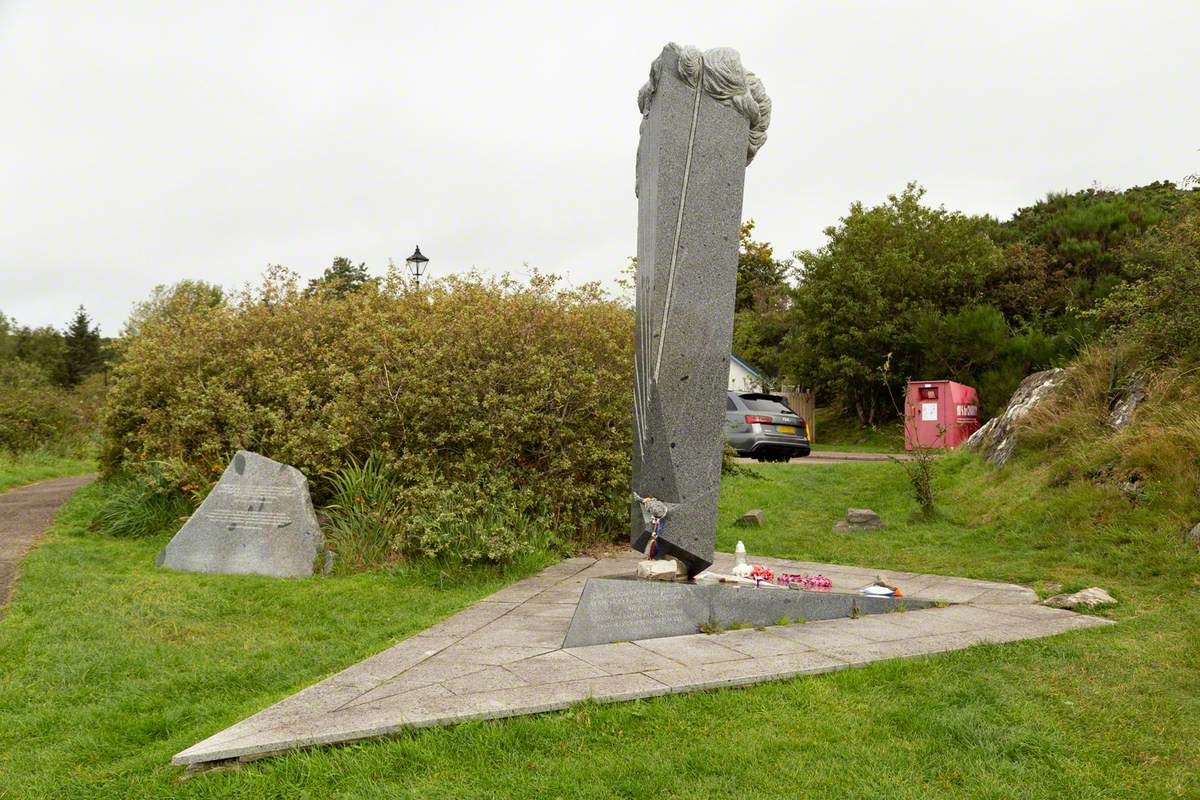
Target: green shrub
(487, 403)
(375, 518)
(33, 412)
(364, 514)
(1158, 310)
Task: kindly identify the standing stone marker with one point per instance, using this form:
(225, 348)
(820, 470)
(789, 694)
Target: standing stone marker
(258, 520)
(704, 118)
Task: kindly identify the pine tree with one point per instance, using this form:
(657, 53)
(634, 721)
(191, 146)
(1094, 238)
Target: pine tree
(342, 278)
(82, 355)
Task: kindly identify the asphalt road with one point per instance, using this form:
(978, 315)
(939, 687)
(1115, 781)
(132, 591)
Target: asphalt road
(837, 457)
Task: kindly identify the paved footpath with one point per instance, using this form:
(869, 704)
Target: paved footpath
(504, 656)
(25, 514)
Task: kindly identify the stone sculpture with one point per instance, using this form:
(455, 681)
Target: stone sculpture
(703, 119)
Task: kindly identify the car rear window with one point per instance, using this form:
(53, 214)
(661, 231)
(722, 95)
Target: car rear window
(766, 404)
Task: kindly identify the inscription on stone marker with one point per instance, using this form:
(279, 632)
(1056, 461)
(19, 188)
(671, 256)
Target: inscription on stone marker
(260, 492)
(249, 520)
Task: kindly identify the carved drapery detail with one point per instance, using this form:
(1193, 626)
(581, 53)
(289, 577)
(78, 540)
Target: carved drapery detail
(722, 78)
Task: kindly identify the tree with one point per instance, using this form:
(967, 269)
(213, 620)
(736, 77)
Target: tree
(1157, 310)
(761, 320)
(173, 301)
(41, 347)
(8, 341)
(860, 295)
(341, 278)
(761, 280)
(1082, 235)
(82, 348)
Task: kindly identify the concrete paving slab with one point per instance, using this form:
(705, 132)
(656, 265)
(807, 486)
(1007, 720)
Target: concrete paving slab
(691, 650)
(485, 680)
(555, 667)
(504, 657)
(754, 643)
(746, 671)
(622, 658)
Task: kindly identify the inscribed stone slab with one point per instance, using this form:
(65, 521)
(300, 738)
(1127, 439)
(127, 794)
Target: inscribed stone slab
(257, 520)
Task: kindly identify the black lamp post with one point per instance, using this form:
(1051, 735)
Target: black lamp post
(416, 265)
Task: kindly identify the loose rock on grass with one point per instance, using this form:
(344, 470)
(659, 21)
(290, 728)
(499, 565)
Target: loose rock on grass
(1090, 598)
(752, 518)
(859, 519)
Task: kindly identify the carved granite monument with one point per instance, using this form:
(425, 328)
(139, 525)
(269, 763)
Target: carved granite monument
(258, 520)
(703, 119)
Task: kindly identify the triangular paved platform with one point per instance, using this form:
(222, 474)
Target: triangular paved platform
(503, 656)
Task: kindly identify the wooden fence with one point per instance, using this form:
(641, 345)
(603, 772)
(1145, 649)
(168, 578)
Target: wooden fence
(804, 403)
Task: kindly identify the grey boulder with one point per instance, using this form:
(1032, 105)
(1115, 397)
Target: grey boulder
(1089, 598)
(752, 518)
(1122, 413)
(257, 520)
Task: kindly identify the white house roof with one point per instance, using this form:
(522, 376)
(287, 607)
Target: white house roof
(745, 366)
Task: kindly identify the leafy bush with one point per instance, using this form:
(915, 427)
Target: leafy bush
(364, 514)
(486, 401)
(33, 412)
(1158, 311)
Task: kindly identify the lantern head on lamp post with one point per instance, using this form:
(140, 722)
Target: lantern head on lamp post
(416, 265)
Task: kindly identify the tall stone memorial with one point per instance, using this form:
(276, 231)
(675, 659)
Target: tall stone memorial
(703, 119)
(257, 520)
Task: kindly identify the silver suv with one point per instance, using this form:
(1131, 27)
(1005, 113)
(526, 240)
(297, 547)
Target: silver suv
(762, 426)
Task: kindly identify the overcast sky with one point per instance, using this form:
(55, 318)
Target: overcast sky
(147, 142)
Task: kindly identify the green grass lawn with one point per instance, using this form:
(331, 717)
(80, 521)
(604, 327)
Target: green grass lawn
(836, 431)
(110, 666)
(32, 467)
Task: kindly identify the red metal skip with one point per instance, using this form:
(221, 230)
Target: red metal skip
(939, 414)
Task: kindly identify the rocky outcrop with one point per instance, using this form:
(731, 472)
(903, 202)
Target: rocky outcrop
(998, 437)
(1122, 413)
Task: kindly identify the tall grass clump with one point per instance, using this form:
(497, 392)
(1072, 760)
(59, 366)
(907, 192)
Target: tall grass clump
(363, 515)
(141, 504)
(497, 410)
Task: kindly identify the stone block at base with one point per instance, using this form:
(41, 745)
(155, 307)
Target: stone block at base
(622, 609)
